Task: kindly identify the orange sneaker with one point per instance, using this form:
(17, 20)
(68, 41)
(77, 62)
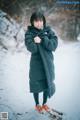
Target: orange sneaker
(46, 108)
(38, 108)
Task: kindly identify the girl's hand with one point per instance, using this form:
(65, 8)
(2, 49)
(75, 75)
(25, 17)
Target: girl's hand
(37, 39)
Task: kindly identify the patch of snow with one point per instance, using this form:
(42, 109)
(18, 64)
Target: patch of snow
(14, 78)
(11, 33)
(78, 38)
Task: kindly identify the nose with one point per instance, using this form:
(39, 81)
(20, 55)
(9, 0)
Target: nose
(38, 23)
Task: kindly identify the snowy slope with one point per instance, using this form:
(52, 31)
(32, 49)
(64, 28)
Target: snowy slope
(67, 68)
(14, 76)
(14, 79)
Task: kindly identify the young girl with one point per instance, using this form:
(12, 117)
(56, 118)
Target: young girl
(39, 34)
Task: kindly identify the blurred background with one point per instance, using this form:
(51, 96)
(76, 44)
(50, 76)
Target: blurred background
(64, 19)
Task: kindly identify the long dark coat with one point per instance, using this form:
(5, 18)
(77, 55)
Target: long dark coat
(41, 72)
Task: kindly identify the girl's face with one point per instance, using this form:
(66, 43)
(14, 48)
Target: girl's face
(38, 24)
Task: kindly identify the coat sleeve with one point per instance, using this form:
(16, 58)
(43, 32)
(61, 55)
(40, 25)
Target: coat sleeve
(50, 42)
(31, 46)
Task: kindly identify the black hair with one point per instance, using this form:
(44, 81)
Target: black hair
(37, 16)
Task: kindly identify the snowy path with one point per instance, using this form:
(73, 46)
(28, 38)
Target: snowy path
(14, 90)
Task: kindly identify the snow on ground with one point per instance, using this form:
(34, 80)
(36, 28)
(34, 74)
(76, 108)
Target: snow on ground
(14, 84)
(67, 69)
(14, 75)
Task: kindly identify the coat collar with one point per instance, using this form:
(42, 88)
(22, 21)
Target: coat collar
(35, 30)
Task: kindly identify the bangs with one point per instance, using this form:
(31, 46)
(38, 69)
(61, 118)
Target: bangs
(36, 16)
(38, 19)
